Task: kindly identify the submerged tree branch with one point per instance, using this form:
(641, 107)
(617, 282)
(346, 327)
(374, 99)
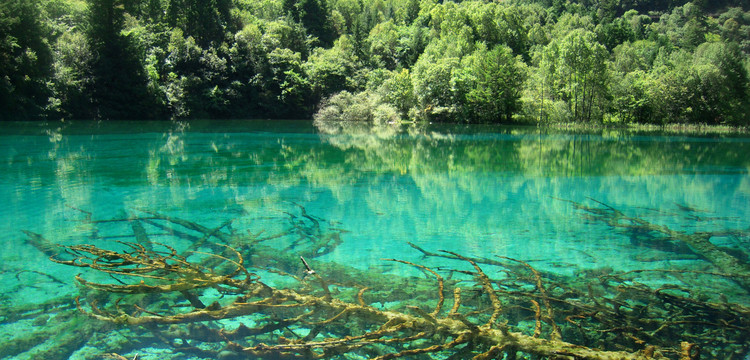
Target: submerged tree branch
(162, 289)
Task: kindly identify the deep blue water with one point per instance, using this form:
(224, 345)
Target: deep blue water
(473, 190)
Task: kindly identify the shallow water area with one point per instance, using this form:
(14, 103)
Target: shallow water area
(571, 205)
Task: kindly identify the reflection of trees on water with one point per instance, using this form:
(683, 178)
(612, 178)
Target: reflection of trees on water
(478, 189)
(218, 158)
(532, 151)
(519, 154)
(486, 180)
(433, 156)
(472, 173)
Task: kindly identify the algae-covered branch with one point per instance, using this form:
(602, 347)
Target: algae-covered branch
(229, 292)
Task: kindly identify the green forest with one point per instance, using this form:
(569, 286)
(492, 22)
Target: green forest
(382, 61)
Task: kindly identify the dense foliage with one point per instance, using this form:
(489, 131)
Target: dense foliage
(611, 61)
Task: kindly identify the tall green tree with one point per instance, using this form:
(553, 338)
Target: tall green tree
(199, 84)
(613, 33)
(288, 92)
(489, 85)
(205, 20)
(72, 79)
(433, 87)
(247, 59)
(384, 42)
(315, 16)
(398, 91)
(707, 86)
(630, 81)
(580, 74)
(332, 70)
(723, 83)
(25, 61)
(119, 86)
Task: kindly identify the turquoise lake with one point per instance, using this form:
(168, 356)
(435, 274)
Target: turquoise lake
(479, 191)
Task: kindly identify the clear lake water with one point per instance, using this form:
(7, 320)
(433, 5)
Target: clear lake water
(479, 191)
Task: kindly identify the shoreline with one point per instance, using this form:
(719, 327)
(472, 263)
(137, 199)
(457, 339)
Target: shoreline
(688, 129)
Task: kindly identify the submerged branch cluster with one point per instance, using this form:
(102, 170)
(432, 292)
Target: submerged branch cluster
(271, 298)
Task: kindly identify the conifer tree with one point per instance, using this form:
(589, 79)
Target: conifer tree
(118, 87)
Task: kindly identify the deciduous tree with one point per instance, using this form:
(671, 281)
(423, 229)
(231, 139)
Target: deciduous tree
(489, 84)
(119, 84)
(25, 61)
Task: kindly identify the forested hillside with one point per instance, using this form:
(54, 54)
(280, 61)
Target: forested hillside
(599, 61)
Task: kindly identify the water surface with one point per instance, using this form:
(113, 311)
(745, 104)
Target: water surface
(478, 191)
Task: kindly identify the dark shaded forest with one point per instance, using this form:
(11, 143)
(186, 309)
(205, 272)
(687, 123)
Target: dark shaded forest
(514, 61)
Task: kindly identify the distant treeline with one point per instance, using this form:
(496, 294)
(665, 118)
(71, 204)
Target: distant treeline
(599, 61)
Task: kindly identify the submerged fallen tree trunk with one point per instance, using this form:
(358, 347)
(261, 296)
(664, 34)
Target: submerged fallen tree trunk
(698, 242)
(415, 333)
(328, 310)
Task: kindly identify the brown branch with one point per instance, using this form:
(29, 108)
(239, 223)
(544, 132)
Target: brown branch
(537, 318)
(493, 353)
(550, 319)
(487, 286)
(441, 286)
(456, 301)
(689, 351)
(407, 333)
(460, 339)
(360, 296)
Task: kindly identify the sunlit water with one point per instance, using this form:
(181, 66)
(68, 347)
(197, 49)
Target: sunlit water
(478, 191)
